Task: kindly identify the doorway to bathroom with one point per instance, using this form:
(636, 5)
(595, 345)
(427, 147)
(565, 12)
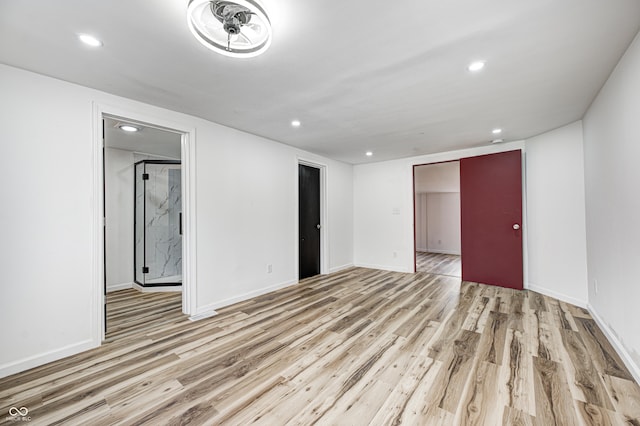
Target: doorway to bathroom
(143, 226)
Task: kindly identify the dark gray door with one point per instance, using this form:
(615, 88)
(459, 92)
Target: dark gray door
(309, 220)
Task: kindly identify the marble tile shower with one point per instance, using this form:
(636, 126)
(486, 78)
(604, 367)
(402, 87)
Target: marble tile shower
(158, 239)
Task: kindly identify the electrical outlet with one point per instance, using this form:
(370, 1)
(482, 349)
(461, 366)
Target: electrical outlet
(269, 268)
(395, 254)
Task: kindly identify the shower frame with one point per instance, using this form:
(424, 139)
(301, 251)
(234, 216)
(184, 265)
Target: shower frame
(144, 215)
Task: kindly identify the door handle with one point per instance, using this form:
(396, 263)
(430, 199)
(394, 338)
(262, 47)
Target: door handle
(318, 226)
(516, 226)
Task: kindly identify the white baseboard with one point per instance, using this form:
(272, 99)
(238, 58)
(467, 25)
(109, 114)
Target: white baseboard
(422, 249)
(556, 295)
(41, 359)
(340, 268)
(116, 287)
(457, 253)
(209, 310)
(634, 368)
(157, 289)
(382, 267)
(203, 315)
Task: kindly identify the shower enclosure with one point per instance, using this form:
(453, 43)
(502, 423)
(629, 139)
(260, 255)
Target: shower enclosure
(158, 223)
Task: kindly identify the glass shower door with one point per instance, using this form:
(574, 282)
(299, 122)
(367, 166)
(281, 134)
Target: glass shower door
(158, 207)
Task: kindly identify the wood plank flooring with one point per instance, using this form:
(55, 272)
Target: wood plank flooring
(439, 263)
(130, 312)
(358, 347)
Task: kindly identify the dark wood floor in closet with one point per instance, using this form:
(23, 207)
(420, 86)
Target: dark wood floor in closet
(358, 347)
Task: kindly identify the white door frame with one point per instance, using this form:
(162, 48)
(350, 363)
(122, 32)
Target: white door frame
(187, 144)
(324, 217)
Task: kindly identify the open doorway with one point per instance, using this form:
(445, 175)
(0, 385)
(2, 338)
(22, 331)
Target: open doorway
(480, 223)
(143, 227)
(437, 218)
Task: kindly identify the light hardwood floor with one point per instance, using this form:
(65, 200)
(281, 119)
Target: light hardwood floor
(439, 263)
(130, 312)
(358, 347)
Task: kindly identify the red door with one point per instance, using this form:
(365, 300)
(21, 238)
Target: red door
(491, 219)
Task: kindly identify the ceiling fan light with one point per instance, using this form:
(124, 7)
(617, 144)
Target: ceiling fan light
(235, 28)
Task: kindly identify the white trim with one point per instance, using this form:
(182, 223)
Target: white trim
(383, 267)
(560, 296)
(440, 251)
(189, 232)
(324, 216)
(633, 368)
(44, 358)
(524, 226)
(116, 287)
(97, 312)
(189, 284)
(206, 310)
(340, 268)
(203, 315)
(157, 289)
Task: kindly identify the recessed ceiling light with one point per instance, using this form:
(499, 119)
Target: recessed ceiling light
(496, 131)
(296, 123)
(369, 153)
(89, 40)
(497, 141)
(128, 128)
(476, 66)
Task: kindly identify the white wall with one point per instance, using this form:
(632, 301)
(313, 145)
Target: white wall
(119, 218)
(612, 178)
(243, 223)
(437, 219)
(438, 222)
(382, 189)
(383, 207)
(443, 222)
(557, 253)
(440, 177)
(421, 223)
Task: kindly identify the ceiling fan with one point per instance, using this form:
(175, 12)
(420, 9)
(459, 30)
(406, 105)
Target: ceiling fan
(239, 28)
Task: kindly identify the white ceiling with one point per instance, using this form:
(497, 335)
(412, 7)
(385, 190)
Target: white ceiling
(361, 75)
(147, 140)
